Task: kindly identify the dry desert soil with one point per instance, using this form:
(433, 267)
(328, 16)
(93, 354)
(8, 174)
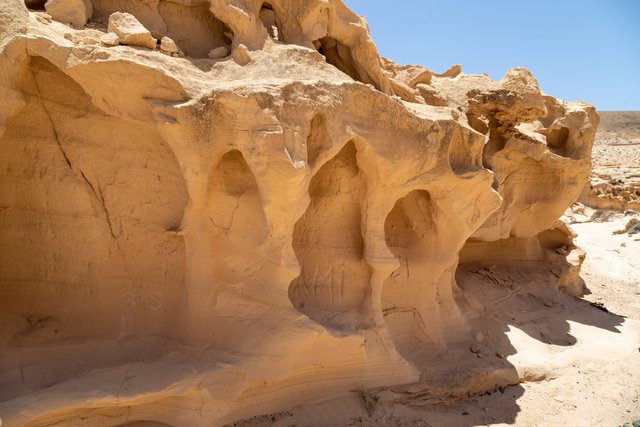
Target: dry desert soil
(616, 160)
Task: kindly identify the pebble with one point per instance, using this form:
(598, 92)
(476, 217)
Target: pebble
(241, 55)
(219, 52)
(168, 45)
(110, 39)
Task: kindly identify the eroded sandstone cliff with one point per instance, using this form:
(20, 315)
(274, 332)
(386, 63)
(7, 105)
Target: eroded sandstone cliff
(258, 212)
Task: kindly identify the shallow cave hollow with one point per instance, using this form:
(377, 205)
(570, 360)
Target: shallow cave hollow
(334, 282)
(270, 21)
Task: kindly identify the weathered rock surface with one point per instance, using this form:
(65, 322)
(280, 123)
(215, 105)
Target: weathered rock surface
(110, 39)
(192, 241)
(169, 46)
(75, 12)
(130, 31)
(219, 52)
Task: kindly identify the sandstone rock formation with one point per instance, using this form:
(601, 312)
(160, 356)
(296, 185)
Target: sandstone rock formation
(193, 240)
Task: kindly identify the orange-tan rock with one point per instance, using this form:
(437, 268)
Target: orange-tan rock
(76, 12)
(193, 240)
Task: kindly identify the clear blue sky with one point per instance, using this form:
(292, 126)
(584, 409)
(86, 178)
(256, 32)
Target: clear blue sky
(577, 49)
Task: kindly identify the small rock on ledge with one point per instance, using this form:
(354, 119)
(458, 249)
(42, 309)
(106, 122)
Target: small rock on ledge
(130, 31)
(74, 12)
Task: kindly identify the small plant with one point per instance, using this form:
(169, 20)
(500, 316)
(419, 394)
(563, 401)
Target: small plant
(600, 306)
(370, 400)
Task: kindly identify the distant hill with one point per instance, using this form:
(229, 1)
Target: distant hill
(619, 124)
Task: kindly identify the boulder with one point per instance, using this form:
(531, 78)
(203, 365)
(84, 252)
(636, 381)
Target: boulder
(130, 31)
(74, 12)
(167, 45)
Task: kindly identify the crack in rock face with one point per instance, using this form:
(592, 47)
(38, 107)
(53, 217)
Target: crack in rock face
(235, 207)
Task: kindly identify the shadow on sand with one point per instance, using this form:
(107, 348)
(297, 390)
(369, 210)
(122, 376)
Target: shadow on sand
(473, 383)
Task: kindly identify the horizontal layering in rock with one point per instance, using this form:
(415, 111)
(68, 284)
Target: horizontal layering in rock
(216, 209)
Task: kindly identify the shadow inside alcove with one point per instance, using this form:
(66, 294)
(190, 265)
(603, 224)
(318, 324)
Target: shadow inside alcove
(333, 285)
